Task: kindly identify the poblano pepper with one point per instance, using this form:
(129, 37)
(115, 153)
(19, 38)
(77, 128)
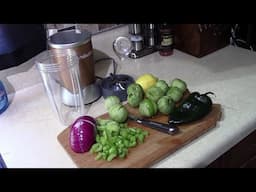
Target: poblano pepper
(195, 107)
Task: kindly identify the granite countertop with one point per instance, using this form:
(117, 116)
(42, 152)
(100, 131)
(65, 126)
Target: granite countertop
(29, 128)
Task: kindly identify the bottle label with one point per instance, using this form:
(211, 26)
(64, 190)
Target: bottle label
(166, 40)
(3, 99)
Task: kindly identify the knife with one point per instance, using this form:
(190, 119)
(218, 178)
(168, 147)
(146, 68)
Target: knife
(170, 129)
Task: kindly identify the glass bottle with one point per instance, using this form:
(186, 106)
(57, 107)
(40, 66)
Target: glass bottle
(165, 39)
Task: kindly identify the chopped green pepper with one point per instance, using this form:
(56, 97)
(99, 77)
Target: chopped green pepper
(113, 139)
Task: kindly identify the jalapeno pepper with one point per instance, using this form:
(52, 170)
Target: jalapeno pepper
(195, 107)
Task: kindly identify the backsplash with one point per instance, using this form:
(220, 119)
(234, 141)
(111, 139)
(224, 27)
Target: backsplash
(93, 28)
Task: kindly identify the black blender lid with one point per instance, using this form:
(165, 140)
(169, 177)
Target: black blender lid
(116, 85)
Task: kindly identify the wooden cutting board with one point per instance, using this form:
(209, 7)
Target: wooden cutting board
(156, 147)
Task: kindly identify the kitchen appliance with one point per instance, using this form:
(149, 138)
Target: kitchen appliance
(150, 35)
(61, 80)
(143, 38)
(80, 42)
(135, 29)
(116, 85)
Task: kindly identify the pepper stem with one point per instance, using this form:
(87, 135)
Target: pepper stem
(209, 93)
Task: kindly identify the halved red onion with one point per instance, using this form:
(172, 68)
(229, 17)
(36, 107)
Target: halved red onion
(82, 134)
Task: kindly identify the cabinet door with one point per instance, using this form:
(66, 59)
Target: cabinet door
(250, 163)
(241, 155)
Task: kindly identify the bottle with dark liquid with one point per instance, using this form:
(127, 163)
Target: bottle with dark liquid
(165, 39)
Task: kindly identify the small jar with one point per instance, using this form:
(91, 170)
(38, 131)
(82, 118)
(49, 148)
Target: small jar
(165, 39)
(3, 98)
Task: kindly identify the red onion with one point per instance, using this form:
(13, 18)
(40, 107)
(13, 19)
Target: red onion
(82, 134)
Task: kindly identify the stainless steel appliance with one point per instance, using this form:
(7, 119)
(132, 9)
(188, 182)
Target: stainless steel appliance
(143, 38)
(80, 42)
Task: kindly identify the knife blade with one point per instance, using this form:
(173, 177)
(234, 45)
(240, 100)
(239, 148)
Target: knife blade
(170, 129)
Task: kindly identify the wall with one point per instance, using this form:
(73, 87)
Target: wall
(93, 28)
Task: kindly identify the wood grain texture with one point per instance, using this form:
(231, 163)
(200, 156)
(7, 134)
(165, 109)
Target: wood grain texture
(156, 147)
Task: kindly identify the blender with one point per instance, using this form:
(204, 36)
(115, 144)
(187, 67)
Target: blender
(80, 42)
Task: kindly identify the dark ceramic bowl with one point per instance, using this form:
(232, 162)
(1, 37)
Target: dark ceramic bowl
(116, 85)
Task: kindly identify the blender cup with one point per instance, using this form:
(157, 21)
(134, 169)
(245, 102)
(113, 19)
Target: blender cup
(61, 78)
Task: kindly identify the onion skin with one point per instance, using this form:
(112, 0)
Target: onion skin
(82, 134)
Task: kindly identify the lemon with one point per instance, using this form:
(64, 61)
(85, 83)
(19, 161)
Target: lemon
(146, 81)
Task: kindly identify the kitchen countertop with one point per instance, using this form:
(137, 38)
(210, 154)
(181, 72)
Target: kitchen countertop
(29, 128)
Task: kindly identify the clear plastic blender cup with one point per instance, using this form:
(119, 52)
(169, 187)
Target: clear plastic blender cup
(60, 74)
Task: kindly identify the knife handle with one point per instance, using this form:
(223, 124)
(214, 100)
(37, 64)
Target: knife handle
(165, 128)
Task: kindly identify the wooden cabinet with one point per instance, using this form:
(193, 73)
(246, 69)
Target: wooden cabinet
(201, 39)
(242, 155)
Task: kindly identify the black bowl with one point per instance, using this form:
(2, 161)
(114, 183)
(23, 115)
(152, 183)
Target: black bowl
(116, 85)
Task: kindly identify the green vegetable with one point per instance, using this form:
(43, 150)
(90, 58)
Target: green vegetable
(110, 101)
(118, 113)
(165, 105)
(112, 126)
(134, 87)
(180, 84)
(154, 93)
(162, 85)
(175, 93)
(195, 107)
(112, 142)
(135, 94)
(134, 99)
(147, 107)
(102, 121)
